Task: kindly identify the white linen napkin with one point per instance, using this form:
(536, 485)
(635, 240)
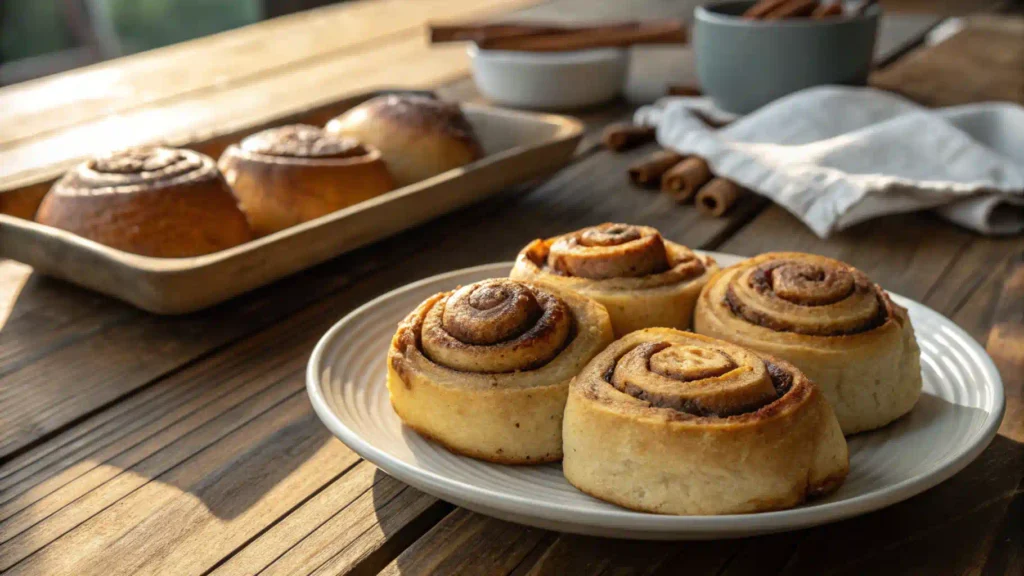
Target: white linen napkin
(835, 156)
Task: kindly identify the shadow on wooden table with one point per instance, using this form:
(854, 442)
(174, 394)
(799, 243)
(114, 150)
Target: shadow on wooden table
(923, 535)
(243, 481)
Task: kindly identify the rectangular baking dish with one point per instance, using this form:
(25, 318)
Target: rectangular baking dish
(519, 146)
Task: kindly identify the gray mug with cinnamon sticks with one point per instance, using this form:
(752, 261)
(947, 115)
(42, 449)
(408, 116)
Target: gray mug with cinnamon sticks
(745, 63)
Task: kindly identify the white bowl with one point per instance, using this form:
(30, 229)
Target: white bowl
(549, 80)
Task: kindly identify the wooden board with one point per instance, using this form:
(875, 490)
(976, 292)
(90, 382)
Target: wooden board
(519, 146)
(983, 62)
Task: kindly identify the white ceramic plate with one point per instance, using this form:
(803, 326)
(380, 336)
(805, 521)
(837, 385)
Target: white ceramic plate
(956, 418)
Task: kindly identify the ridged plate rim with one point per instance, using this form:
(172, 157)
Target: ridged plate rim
(624, 523)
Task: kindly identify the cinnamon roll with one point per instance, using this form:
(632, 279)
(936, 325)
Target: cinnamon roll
(641, 278)
(153, 201)
(291, 174)
(827, 318)
(419, 137)
(484, 370)
(672, 422)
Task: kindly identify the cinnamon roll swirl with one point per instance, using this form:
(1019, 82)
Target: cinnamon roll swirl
(641, 278)
(672, 422)
(827, 318)
(484, 370)
(291, 174)
(153, 201)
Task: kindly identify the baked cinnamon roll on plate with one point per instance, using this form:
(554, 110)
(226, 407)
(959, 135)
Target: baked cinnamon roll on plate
(830, 320)
(672, 422)
(642, 279)
(956, 416)
(484, 370)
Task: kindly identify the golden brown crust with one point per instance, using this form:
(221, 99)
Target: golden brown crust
(161, 202)
(698, 426)
(827, 318)
(302, 141)
(490, 382)
(292, 174)
(495, 457)
(419, 137)
(643, 279)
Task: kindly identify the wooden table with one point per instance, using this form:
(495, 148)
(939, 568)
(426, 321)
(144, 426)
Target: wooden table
(131, 443)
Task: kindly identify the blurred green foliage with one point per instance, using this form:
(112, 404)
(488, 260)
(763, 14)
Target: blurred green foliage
(34, 27)
(145, 24)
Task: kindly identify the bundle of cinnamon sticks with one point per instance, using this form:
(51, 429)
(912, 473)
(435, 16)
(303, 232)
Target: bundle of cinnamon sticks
(552, 37)
(687, 179)
(684, 178)
(782, 9)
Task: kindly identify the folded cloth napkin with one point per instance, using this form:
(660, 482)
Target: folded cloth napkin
(836, 156)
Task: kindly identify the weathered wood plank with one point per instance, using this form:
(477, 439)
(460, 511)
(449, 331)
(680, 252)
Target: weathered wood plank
(1006, 339)
(186, 519)
(467, 543)
(136, 429)
(988, 46)
(130, 351)
(339, 528)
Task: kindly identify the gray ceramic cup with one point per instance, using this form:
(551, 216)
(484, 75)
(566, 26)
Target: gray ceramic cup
(745, 64)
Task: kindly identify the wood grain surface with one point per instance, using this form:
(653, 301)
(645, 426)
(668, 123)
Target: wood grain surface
(134, 444)
(982, 62)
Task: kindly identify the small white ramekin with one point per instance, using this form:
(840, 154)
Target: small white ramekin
(549, 80)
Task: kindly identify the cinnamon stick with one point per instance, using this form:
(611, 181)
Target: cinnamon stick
(827, 10)
(684, 179)
(792, 9)
(682, 90)
(762, 8)
(611, 36)
(648, 172)
(718, 196)
(624, 136)
(441, 33)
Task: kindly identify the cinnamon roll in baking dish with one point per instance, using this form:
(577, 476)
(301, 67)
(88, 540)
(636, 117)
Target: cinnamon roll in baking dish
(484, 370)
(420, 137)
(641, 278)
(153, 201)
(672, 422)
(828, 319)
(291, 174)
